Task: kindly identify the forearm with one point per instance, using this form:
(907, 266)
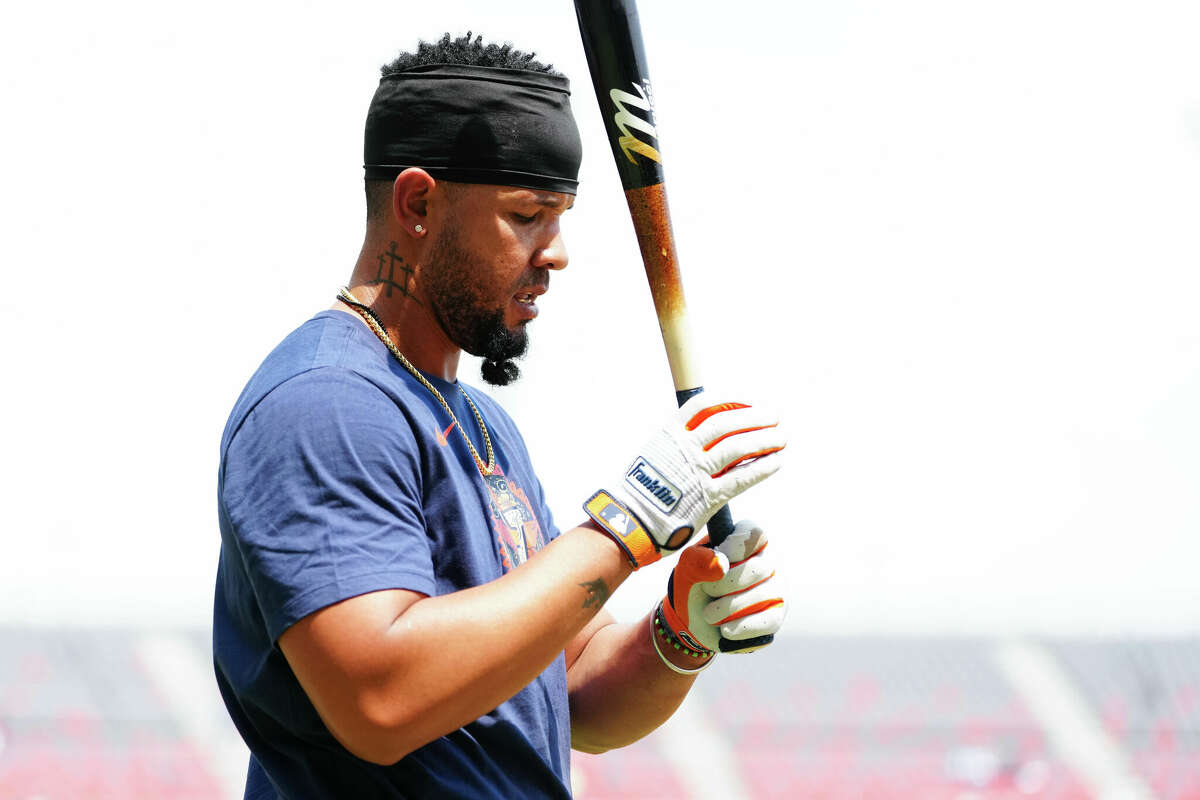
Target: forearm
(444, 661)
(619, 688)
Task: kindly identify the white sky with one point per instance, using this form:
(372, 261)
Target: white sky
(953, 242)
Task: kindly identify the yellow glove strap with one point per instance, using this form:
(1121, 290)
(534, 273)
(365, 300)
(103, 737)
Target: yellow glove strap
(619, 522)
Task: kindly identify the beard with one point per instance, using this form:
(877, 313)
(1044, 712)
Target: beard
(457, 298)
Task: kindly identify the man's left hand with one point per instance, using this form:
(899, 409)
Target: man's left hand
(726, 592)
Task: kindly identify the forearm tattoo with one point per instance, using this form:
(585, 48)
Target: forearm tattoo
(597, 593)
(393, 262)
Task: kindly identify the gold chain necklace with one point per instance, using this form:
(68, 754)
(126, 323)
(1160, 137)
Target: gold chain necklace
(376, 326)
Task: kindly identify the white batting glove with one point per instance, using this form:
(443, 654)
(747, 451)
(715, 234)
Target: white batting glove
(710, 451)
(719, 599)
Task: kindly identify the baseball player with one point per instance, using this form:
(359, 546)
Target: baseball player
(396, 613)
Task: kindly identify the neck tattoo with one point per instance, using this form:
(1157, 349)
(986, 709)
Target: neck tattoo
(402, 283)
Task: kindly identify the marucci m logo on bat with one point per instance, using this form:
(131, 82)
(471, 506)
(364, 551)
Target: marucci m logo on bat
(650, 482)
(626, 119)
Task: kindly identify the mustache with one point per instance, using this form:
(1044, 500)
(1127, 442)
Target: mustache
(534, 279)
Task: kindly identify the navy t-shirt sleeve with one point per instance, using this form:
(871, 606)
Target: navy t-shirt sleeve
(323, 488)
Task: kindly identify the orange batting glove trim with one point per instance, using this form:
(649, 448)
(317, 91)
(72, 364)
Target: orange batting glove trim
(723, 437)
(745, 458)
(625, 529)
(753, 609)
(705, 413)
(673, 619)
(678, 626)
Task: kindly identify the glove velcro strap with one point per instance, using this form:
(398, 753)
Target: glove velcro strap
(668, 624)
(624, 527)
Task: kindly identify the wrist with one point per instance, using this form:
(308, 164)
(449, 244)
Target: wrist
(606, 545)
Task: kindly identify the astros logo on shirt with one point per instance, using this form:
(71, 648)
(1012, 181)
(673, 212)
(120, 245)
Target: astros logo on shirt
(518, 533)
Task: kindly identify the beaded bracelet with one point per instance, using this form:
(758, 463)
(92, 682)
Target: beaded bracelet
(659, 628)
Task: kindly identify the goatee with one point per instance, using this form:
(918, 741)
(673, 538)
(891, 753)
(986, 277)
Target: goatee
(499, 347)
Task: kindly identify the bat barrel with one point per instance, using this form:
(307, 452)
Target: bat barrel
(652, 224)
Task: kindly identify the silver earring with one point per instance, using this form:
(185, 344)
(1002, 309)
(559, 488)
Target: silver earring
(418, 229)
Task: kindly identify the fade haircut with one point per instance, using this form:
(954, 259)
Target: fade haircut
(463, 50)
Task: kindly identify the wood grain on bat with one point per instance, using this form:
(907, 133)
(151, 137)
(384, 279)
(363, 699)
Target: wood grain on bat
(652, 222)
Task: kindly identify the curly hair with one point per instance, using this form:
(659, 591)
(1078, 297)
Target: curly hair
(465, 50)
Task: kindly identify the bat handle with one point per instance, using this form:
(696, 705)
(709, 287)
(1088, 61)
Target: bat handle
(719, 528)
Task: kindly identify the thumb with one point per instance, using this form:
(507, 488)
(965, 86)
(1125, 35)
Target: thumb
(697, 564)
(700, 564)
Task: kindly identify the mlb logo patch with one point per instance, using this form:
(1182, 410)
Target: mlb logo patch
(625, 528)
(612, 515)
(617, 520)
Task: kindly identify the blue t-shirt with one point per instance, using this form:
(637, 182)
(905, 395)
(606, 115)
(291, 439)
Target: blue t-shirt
(340, 475)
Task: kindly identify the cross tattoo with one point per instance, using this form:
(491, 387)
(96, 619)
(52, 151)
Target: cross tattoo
(404, 285)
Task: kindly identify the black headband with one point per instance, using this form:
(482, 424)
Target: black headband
(475, 125)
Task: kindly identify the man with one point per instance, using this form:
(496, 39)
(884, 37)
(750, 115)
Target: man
(396, 614)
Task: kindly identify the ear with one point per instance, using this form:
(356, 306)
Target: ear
(410, 200)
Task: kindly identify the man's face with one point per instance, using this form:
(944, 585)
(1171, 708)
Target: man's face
(489, 261)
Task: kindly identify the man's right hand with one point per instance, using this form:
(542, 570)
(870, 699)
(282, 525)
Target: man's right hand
(708, 452)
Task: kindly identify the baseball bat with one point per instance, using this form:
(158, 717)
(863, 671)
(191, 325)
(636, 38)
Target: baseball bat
(612, 41)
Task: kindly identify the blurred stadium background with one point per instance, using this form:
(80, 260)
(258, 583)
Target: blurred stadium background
(97, 714)
(962, 239)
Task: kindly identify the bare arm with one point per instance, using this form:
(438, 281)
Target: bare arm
(391, 671)
(619, 688)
